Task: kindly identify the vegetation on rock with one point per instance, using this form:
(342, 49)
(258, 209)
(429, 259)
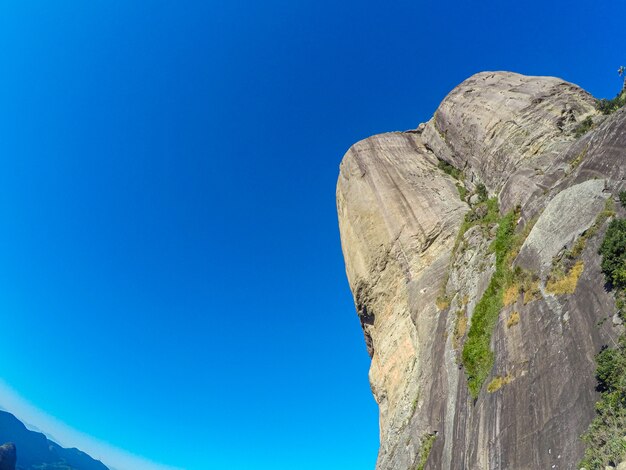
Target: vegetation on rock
(609, 106)
(505, 287)
(450, 170)
(460, 328)
(485, 213)
(498, 382)
(427, 444)
(605, 438)
(567, 267)
(513, 319)
(606, 435)
(585, 126)
(477, 356)
(566, 282)
(613, 251)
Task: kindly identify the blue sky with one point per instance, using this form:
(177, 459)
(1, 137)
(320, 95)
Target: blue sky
(171, 279)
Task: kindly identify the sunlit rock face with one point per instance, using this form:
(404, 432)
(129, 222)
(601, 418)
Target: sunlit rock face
(400, 216)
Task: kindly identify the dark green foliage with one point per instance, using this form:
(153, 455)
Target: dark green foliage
(611, 371)
(605, 436)
(427, 444)
(610, 106)
(477, 355)
(605, 441)
(622, 198)
(583, 127)
(450, 170)
(485, 212)
(613, 251)
(462, 191)
(481, 190)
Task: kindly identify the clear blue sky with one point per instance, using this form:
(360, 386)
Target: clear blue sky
(171, 279)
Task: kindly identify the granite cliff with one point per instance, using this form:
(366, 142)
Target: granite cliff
(471, 249)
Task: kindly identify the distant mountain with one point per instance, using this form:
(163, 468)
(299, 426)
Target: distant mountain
(36, 452)
(7, 457)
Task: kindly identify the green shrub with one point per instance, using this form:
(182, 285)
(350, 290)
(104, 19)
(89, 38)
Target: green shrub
(477, 356)
(610, 106)
(427, 444)
(622, 198)
(583, 127)
(605, 437)
(462, 191)
(481, 190)
(450, 170)
(613, 251)
(611, 371)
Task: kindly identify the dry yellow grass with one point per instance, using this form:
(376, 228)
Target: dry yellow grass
(532, 293)
(498, 382)
(511, 294)
(513, 320)
(460, 328)
(566, 284)
(442, 302)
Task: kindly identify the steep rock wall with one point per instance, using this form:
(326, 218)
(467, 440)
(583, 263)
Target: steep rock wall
(399, 219)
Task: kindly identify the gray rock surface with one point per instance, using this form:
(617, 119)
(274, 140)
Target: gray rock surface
(399, 216)
(554, 231)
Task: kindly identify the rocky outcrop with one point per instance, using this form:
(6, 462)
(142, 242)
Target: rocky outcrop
(400, 216)
(8, 457)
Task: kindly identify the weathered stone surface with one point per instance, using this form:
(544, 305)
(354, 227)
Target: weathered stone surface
(495, 122)
(567, 215)
(399, 216)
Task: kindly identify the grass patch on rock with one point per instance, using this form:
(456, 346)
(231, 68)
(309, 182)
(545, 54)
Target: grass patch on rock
(532, 293)
(511, 294)
(498, 382)
(567, 267)
(477, 356)
(427, 445)
(585, 126)
(513, 319)
(450, 170)
(565, 283)
(460, 328)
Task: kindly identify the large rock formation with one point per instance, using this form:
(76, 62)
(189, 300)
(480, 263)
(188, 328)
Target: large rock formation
(400, 215)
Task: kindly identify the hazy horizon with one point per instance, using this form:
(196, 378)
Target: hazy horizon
(64, 435)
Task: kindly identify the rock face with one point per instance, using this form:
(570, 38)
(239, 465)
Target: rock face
(8, 457)
(400, 216)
